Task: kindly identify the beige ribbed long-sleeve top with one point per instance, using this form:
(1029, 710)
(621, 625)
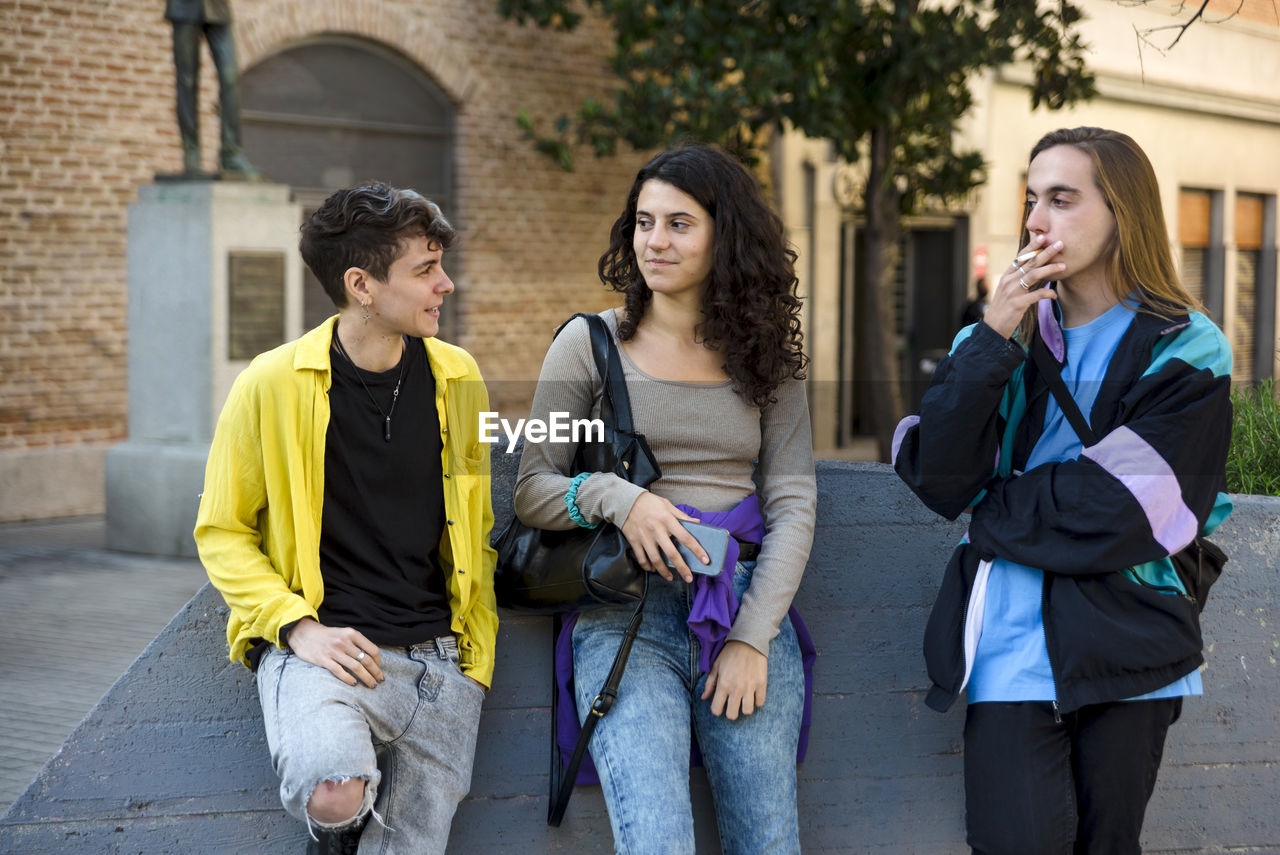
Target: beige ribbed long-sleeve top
(708, 441)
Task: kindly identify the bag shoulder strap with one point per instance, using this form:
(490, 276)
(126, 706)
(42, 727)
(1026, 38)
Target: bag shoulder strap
(615, 410)
(609, 366)
(562, 789)
(1052, 374)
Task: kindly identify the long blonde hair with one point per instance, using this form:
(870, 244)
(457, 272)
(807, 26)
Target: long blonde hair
(1141, 265)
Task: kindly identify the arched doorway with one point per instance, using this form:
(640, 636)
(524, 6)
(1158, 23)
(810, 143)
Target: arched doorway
(334, 111)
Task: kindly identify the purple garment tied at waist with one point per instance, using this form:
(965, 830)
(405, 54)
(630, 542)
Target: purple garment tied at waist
(710, 618)
(714, 602)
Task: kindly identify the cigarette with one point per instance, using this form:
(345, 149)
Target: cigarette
(1027, 256)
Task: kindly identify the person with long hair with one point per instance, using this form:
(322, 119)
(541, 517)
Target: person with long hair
(710, 345)
(1061, 614)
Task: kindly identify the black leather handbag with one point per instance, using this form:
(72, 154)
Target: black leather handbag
(546, 572)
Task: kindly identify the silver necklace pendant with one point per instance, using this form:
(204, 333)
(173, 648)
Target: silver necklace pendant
(395, 398)
(395, 394)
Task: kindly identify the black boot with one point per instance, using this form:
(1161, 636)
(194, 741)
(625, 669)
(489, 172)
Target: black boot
(344, 842)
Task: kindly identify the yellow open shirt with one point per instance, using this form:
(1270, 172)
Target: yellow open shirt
(258, 529)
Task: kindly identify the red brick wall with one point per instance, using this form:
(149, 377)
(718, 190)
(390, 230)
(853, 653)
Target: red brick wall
(86, 98)
(85, 123)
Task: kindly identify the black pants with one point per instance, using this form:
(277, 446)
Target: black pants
(1036, 786)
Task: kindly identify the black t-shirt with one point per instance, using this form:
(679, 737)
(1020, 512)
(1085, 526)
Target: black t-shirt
(383, 504)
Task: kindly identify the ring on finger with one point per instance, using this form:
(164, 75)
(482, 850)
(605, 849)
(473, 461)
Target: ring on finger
(1023, 283)
(360, 656)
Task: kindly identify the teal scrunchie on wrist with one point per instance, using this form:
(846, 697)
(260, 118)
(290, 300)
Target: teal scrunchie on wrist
(571, 501)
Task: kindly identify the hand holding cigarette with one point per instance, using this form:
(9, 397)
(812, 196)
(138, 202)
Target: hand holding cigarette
(1019, 287)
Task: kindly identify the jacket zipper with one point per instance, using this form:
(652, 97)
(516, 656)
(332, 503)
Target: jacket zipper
(1164, 589)
(1044, 627)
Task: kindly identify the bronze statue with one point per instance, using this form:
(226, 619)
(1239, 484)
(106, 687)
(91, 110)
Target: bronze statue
(211, 19)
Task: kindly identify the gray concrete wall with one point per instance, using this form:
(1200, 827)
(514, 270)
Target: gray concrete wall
(172, 759)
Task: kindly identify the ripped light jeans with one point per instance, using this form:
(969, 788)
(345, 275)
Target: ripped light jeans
(641, 748)
(412, 739)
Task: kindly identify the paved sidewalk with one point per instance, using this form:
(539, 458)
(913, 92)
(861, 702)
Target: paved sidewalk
(73, 617)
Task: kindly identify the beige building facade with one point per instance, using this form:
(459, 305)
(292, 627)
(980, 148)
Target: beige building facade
(1207, 113)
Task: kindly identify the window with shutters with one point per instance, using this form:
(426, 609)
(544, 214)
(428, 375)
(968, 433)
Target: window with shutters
(1248, 255)
(1193, 234)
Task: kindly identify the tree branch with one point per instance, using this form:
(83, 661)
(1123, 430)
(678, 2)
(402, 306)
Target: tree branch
(1145, 35)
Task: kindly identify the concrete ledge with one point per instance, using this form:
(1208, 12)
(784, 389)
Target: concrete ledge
(172, 759)
(153, 495)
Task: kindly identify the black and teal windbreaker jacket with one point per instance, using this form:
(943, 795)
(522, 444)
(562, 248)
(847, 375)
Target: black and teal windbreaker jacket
(1102, 526)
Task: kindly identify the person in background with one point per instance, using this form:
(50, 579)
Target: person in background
(1060, 614)
(977, 307)
(345, 519)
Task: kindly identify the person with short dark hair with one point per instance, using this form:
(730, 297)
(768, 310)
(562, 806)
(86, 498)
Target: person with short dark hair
(711, 349)
(1061, 615)
(345, 519)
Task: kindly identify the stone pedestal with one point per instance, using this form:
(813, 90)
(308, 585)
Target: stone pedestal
(214, 278)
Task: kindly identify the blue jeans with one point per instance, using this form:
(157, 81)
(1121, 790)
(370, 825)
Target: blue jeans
(641, 748)
(412, 740)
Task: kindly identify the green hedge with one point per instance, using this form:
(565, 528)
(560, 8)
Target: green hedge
(1253, 464)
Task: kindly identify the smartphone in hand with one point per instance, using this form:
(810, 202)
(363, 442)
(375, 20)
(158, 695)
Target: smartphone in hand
(714, 540)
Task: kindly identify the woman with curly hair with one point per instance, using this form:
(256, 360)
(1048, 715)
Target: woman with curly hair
(710, 345)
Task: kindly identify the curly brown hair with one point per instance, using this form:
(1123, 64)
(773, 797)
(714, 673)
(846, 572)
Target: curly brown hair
(750, 309)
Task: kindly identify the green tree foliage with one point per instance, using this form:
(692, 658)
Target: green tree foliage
(886, 80)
